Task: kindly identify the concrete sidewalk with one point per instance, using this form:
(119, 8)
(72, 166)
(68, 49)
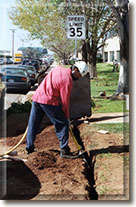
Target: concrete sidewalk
(110, 118)
(121, 117)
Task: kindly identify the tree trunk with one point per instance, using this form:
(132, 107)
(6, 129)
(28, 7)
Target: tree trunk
(89, 56)
(123, 83)
(92, 70)
(121, 14)
(92, 63)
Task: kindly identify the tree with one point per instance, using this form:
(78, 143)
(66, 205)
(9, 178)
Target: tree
(31, 52)
(99, 20)
(46, 20)
(120, 11)
(41, 18)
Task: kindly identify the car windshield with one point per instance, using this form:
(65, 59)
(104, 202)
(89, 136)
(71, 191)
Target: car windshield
(26, 61)
(14, 72)
(29, 61)
(30, 69)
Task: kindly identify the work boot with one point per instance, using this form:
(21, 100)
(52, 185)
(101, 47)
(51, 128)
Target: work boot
(31, 150)
(65, 153)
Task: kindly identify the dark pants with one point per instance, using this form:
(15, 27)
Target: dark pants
(56, 116)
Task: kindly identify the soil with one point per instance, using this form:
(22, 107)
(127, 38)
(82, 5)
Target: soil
(43, 175)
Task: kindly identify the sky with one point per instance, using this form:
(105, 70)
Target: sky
(6, 33)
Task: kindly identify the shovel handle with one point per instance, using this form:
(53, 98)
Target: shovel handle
(74, 138)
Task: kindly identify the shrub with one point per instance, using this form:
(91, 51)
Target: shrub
(20, 107)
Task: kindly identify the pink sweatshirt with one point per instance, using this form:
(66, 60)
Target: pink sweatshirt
(55, 89)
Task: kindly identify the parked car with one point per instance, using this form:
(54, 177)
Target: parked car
(6, 60)
(32, 62)
(50, 59)
(45, 61)
(1, 61)
(15, 77)
(32, 73)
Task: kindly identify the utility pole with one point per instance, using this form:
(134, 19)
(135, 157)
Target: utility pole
(13, 32)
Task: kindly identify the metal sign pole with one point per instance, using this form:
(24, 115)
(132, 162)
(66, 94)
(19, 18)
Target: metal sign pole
(75, 49)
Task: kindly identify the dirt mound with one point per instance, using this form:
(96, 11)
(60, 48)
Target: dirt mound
(14, 140)
(16, 124)
(44, 160)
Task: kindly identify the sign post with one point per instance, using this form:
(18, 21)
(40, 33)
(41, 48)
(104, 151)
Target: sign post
(75, 49)
(76, 29)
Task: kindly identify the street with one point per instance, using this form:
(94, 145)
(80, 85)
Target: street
(11, 98)
(14, 97)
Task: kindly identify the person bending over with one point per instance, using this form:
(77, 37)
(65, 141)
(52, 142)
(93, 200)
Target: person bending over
(52, 98)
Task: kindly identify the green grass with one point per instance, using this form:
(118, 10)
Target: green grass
(121, 128)
(106, 81)
(114, 127)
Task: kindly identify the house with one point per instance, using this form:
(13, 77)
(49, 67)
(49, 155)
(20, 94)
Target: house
(111, 50)
(5, 53)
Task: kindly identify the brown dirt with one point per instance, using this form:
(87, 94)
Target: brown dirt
(43, 175)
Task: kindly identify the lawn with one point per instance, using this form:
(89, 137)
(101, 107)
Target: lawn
(106, 81)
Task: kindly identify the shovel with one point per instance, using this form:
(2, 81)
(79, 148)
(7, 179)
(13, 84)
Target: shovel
(80, 146)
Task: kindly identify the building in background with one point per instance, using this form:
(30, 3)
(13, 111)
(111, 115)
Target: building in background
(111, 50)
(5, 53)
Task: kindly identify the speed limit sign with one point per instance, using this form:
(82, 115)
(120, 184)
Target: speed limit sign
(76, 27)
